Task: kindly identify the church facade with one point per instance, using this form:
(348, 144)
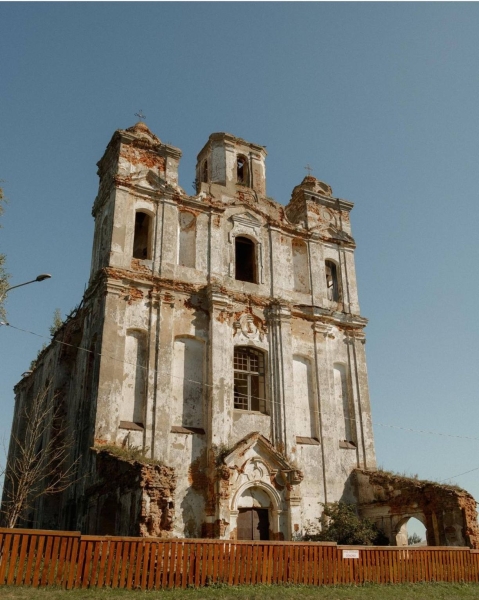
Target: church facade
(221, 336)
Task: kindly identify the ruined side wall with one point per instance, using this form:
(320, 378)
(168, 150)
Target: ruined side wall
(130, 498)
(448, 512)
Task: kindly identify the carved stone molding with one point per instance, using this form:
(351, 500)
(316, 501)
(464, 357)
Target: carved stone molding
(327, 331)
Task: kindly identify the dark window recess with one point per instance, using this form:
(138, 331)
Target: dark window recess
(253, 524)
(332, 281)
(204, 173)
(249, 380)
(245, 263)
(141, 248)
(242, 170)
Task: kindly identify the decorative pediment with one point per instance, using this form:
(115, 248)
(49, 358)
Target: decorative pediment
(246, 219)
(254, 457)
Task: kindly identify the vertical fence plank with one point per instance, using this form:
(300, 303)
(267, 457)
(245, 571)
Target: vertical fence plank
(110, 565)
(87, 565)
(171, 565)
(62, 557)
(192, 564)
(104, 552)
(21, 561)
(165, 564)
(32, 552)
(13, 559)
(116, 563)
(153, 566)
(163, 554)
(81, 561)
(124, 565)
(178, 564)
(72, 563)
(132, 558)
(184, 567)
(47, 557)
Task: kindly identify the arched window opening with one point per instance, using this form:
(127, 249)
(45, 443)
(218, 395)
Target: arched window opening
(141, 242)
(249, 380)
(204, 172)
(245, 260)
(187, 239)
(301, 267)
(332, 283)
(242, 169)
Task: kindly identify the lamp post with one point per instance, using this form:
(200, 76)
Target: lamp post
(40, 277)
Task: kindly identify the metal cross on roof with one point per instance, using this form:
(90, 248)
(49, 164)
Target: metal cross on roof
(309, 169)
(140, 115)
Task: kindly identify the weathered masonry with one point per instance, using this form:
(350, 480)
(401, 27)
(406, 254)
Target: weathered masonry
(221, 335)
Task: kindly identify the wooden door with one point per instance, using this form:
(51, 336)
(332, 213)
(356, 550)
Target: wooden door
(253, 524)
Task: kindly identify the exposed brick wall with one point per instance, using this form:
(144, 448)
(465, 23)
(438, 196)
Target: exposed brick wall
(131, 497)
(448, 512)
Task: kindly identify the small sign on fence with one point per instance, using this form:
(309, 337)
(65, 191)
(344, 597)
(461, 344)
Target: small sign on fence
(350, 553)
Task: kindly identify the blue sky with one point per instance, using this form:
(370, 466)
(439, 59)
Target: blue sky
(380, 99)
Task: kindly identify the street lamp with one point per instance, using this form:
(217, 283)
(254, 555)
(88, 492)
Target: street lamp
(40, 277)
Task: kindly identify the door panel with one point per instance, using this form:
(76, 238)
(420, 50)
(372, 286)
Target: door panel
(253, 524)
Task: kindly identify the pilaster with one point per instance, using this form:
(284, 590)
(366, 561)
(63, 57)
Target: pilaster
(322, 332)
(281, 378)
(358, 343)
(163, 361)
(111, 370)
(220, 372)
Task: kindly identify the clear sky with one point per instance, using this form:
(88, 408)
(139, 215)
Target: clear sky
(380, 99)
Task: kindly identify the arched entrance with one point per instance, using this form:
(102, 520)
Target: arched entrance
(411, 531)
(254, 515)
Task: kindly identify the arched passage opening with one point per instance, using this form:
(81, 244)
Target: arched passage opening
(254, 515)
(411, 532)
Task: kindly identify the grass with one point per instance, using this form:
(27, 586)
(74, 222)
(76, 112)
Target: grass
(130, 453)
(418, 591)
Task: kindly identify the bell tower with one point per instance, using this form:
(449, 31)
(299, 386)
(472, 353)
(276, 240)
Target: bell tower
(233, 163)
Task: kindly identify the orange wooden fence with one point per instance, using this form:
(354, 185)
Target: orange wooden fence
(68, 559)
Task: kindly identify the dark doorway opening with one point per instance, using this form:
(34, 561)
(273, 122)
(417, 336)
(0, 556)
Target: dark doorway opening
(253, 524)
(245, 260)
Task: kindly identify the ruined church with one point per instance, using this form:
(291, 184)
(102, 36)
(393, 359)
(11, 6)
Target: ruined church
(220, 341)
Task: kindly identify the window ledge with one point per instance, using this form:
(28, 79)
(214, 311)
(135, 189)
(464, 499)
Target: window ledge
(187, 430)
(307, 441)
(346, 444)
(131, 426)
(251, 412)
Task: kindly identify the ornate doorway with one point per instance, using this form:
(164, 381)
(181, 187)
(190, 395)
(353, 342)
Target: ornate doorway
(253, 524)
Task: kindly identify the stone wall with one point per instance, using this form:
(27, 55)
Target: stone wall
(448, 512)
(130, 497)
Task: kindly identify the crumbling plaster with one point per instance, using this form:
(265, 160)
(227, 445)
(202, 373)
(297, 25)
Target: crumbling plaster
(158, 336)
